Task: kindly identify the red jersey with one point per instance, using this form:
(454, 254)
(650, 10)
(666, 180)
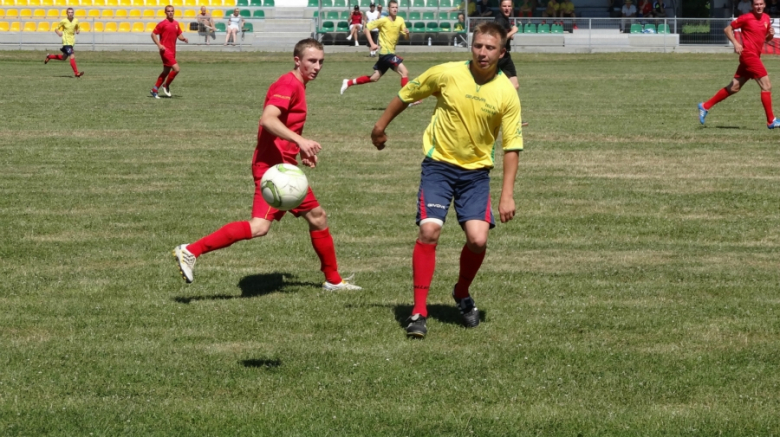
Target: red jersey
(168, 31)
(754, 32)
(357, 18)
(289, 95)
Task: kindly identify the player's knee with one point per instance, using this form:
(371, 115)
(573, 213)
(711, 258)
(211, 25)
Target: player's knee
(259, 227)
(476, 243)
(317, 218)
(430, 230)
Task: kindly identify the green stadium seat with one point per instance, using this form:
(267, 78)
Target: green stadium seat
(456, 3)
(454, 16)
(650, 28)
(445, 4)
(402, 14)
(332, 15)
(255, 3)
(403, 4)
(365, 3)
(556, 28)
(327, 3)
(636, 28)
(245, 13)
(339, 3)
(220, 27)
(259, 13)
(344, 15)
(269, 3)
(316, 14)
(428, 16)
(432, 27)
(442, 16)
(418, 4)
(543, 28)
(663, 28)
(432, 4)
(530, 28)
(248, 27)
(414, 16)
(342, 26)
(445, 26)
(327, 26)
(314, 4)
(419, 26)
(240, 3)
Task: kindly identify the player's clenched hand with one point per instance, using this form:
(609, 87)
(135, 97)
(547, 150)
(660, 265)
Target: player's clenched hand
(506, 209)
(309, 160)
(738, 48)
(374, 47)
(379, 138)
(162, 48)
(309, 147)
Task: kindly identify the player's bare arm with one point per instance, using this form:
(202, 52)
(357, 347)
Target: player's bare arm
(770, 34)
(506, 204)
(371, 43)
(378, 135)
(729, 31)
(182, 38)
(270, 121)
(157, 42)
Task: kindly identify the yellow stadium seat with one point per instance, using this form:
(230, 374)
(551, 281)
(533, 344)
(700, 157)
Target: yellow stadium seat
(16, 27)
(218, 13)
(124, 27)
(107, 13)
(11, 13)
(135, 14)
(2, 13)
(219, 3)
(43, 27)
(81, 13)
(34, 2)
(150, 27)
(121, 13)
(4, 26)
(112, 3)
(125, 3)
(98, 26)
(191, 3)
(189, 13)
(25, 13)
(148, 14)
(177, 3)
(29, 26)
(177, 13)
(47, 2)
(99, 3)
(151, 3)
(161, 13)
(110, 27)
(7, 2)
(83, 2)
(138, 2)
(53, 13)
(22, 3)
(59, 3)
(39, 13)
(85, 27)
(94, 13)
(138, 27)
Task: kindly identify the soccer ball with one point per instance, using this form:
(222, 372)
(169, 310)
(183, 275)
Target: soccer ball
(284, 186)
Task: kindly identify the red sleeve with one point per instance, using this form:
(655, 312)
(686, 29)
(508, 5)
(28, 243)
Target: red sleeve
(738, 23)
(157, 29)
(178, 29)
(280, 95)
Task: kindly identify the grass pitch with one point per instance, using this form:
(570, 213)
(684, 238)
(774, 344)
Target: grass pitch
(636, 292)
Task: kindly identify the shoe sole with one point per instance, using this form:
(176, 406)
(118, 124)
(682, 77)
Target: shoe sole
(416, 334)
(178, 264)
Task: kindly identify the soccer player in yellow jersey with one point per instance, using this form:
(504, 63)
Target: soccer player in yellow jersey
(390, 29)
(474, 100)
(67, 29)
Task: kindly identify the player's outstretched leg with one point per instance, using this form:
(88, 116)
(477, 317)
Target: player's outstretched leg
(186, 254)
(186, 261)
(322, 242)
(346, 83)
(702, 113)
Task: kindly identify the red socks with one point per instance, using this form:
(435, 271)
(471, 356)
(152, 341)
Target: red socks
(766, 100)
(323, 245)
(404, 81)
(171, 76)
(359, 80)
(423, 265)
(57, 57)
(159, 82)
(73, 66)
(718, 97)
(470, 263)
(223, 237)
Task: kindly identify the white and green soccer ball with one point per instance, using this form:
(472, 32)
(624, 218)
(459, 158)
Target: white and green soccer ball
(284, 186)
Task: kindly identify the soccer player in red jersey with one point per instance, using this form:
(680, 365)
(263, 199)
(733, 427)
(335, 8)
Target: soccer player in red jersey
(165, 35)
(756, 30)
(279, 141)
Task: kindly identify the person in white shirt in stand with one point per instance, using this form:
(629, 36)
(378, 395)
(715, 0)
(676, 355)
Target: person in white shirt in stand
(373, 15)
(628, 11)
(744, 7)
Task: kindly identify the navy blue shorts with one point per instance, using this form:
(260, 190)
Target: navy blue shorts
(441, 182)
(387, 62)
(67, 50)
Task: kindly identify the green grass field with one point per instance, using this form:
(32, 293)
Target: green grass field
(635, 293)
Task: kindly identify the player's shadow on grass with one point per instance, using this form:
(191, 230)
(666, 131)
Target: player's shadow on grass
(261, 363)
(728, 127)
(442, 313)
(255, 286)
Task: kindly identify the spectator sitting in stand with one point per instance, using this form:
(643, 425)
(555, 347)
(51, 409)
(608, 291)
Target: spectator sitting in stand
(744, 7)
(372, 15)
(566, 9)
(235, 24)
(628, 11)
(460, 28)
(381, 12)
(645, 9)
(484, 9)
(526, 9)
(206, 24)
(355, 24)
(472, 8)
(552, 9)
(659, 9)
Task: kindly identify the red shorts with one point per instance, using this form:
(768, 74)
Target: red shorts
(168, 58)
(751, 68)
(261, 208)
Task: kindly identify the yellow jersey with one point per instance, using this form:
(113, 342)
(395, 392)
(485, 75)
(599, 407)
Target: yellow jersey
(68, 29)
(467, 117)
(389, 31)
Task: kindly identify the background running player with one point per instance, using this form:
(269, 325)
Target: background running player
(169, 32)
(279, 141)
(458, 146)
(390, 28)
(756, 29)
(67, 29)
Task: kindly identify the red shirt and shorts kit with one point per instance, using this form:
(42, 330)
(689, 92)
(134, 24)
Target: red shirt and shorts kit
(169, 32)
(754, 32)
(289, 95)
